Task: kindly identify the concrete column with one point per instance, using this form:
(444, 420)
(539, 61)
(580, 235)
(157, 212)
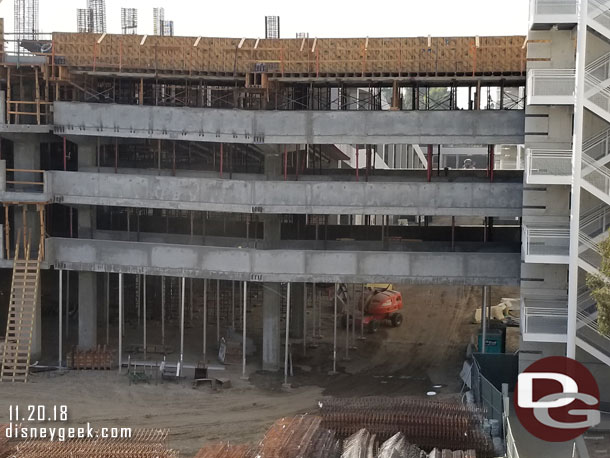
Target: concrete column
(87, 153)
(86, 221)
(87, 310)
(271, 303)
(296, 310)
(26, 149)
(271, 326)
(274, 164)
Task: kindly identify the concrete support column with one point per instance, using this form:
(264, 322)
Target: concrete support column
(271, 326)
(26, 149)
(87, 153)
(271, 299)
(87, 221)
(296, 310)
(87, 310)
(274, 164)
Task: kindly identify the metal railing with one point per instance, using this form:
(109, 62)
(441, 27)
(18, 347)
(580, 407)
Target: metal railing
(597, 93)
(553, 8)
(18, 183)
(551, 86)
(549, 321)
(596, 176)
(546, 243)
(599, 12)
(545, 166)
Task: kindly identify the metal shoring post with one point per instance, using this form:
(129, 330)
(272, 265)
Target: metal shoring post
(233, 304)
(182, 325)
(67, 304)
(319, 319)
(107, 308)
(346, 306)
(120, 322)
(362, 314)
(217, 311)
(144, 315)
(61, 292)
(287, 341)
(304, 318)
(484, 321)
(354, 316)
(163, 313)
(243, 373)
(334, 371)
(205, 319)
(190, 302)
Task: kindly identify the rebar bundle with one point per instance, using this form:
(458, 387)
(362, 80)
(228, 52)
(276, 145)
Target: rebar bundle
(142, 444)
(428, 424)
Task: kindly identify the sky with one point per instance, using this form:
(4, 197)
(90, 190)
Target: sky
(319, 18)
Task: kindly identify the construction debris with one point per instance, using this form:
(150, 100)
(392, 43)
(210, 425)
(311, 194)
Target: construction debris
(359, 445)
(428, 424)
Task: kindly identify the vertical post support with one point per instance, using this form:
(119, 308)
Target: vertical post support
(205, 319)
(335, 331)
(61, 338)
(243, 368)
(287, 342)
(182, 323)
(120, 321)
(144, 316)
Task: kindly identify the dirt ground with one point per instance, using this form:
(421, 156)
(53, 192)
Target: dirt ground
(425, 353)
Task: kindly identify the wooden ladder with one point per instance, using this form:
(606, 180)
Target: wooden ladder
(21, 315)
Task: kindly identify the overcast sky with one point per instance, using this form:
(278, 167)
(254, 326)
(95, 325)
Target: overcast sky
(320, 18)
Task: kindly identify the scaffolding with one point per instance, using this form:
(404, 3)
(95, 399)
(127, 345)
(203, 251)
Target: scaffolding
(272, 27)
(98, 15)
(26, 21)
(129, 21)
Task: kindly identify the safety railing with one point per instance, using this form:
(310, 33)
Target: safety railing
(16, 180)
(567, 8)
(597, 176)
(599, 14)
(546, 166)
(546, 243)
(550, 86)
(544, 319)
(597, 95)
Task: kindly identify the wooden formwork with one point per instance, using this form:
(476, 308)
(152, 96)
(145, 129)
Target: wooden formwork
(328, 56)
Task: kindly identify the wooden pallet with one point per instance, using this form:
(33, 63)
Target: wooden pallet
(21, 316)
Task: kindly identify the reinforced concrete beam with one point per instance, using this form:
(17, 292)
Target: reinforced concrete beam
(287, 127)
(295, 197)
(285, 265)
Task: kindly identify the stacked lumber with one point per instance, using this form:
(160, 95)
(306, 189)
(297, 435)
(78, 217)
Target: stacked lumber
(325, 56)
